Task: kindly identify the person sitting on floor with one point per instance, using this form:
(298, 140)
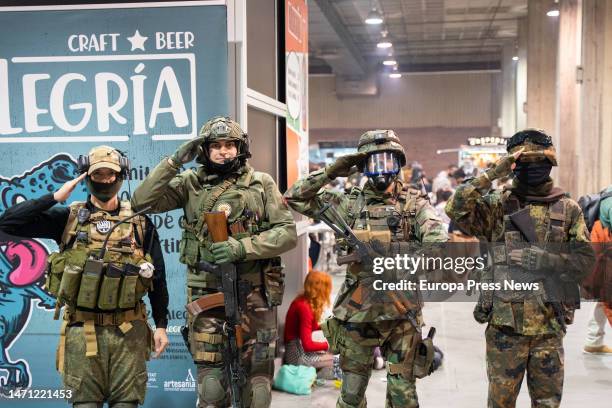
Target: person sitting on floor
(303, 319)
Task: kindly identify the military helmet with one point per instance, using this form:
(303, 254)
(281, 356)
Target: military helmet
(224, 128)
(382, 141)
(537, 144)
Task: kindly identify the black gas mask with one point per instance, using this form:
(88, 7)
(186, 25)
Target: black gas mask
(532, 173)
(382, 169)
(104, 191)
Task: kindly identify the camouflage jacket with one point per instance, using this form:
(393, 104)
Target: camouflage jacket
(257, 215)
(357, 300)
(483, 213)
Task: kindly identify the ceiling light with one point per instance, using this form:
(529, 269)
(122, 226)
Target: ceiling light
(390, 62)
(384, 44)
(395, 75)
(515, 58)
(374, 17)
(553, 13)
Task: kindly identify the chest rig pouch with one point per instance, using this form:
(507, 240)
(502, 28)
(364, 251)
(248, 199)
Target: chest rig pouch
(80, 280)
(549, 225)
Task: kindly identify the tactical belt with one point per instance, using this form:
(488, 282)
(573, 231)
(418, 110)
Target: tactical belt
(107, 319)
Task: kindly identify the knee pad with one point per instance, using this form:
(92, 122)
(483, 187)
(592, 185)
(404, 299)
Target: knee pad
(353, 389)
(210, 390)
(260, 393)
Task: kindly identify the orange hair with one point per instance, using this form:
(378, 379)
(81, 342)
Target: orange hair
(317, 291)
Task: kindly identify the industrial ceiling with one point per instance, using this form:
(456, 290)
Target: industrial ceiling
(427, 35)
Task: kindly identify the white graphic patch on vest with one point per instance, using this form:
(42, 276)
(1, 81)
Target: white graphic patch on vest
(226, 208)
(103, 226)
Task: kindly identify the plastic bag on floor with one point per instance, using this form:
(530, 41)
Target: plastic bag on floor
(295, 379)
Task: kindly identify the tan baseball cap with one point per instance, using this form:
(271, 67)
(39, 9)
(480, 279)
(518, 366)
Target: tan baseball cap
(104, 157)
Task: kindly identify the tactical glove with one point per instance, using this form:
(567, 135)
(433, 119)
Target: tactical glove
(502, 168)
(342, 166)
(229, 251)
(536, 259)
(187, 151)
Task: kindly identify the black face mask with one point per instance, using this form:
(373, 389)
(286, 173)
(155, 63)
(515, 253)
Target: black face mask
(532, 174)
(228, 166)
(104, 191)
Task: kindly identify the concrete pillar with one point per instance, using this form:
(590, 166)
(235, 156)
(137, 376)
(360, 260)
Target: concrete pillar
(508, 94)
(595, 163)
(542, 39)
(521, 75)
(567, 134)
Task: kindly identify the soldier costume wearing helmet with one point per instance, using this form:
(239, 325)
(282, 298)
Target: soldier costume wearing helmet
(525, 332)
(385, 157)
(223, 128)
(105, 340)
(261, 228)
(363, 317)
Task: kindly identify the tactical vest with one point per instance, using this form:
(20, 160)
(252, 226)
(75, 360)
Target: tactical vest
(549, 221)
(242, 198)
(389, 229)
(119, 285)
(108, 295)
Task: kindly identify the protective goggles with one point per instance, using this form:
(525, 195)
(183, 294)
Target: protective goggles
(382, 163)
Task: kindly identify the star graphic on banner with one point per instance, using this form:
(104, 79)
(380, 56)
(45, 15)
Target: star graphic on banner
(137, 41)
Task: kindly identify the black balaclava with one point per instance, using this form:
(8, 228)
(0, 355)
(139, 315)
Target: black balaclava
(532, 174)
(104, 191)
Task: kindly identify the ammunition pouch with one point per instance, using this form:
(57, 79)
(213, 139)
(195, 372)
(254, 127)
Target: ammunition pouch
(90, 284)
(55, 270)
(422, 365)
(273, 281)
(331, 328)
(69, 285)
(109, 289)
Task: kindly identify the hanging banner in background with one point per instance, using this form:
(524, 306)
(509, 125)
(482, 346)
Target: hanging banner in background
(296, 62)
(139, 77)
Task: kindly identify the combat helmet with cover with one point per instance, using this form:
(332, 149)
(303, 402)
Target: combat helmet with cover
(223, 128)
(537, 146)
(534, 164)
(385, 158)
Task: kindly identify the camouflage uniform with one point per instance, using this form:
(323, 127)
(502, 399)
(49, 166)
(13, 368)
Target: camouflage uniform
(365, 318)
(263, 226)
(523, 333)
(105, 339)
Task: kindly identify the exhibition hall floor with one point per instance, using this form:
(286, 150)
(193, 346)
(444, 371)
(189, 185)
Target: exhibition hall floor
(461, 382)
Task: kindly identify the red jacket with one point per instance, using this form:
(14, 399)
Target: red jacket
(300, 323)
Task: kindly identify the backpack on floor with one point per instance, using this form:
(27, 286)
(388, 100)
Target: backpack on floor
(590, 206)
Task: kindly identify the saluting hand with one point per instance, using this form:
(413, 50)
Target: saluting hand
(505, 165)
(64, 192)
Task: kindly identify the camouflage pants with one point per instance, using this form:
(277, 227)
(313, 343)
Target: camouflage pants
(257, 354)
(510, 354)
(356, 343)
(117, 374)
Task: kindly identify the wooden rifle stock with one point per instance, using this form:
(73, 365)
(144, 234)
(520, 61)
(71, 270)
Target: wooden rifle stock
(217, 225)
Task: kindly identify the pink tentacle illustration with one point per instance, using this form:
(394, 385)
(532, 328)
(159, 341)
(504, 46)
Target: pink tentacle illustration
(30, 258)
